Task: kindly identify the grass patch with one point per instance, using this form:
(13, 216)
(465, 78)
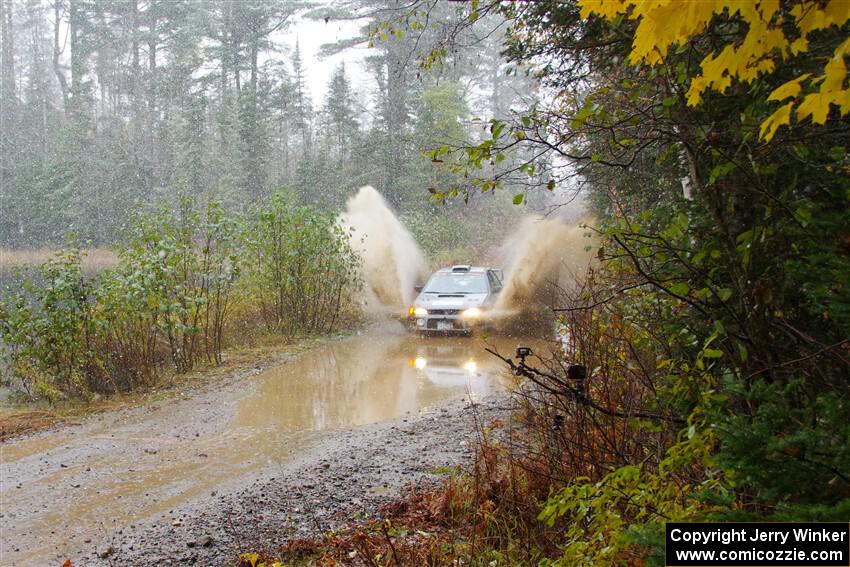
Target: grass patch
(92, 260)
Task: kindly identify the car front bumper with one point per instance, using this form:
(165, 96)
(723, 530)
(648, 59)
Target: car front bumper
(440, 323)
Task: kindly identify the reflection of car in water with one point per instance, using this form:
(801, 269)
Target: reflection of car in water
(459, 364)
(455, 300)
(447, 364)
(462, 364)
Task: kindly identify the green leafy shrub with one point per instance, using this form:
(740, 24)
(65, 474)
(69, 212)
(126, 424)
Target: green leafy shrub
(303, 270)
(173, 296)
(180, 268)
(128, 298)
(51, 332)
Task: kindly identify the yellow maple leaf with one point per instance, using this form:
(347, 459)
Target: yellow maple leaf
(834, 74)
(608, 9)
(813, 19)
(810, 18)
(838, 11)
(694, 94)
(790, 89)
(799, 46)
(665, 23)
(815, 105)
(779, 118)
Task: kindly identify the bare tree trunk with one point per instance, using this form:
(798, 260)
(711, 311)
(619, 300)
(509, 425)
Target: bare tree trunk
(225, 44)
(7, 95)
(496, 90)
(57, 52)
(7, 56)
(77, 64)
(254, 53)
(150, 147)
(134, 54)
(152, 69)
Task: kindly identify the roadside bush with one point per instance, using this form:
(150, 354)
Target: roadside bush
(303, 271)
(130, 317)
(50, 330)
(178, 271)
(172, 297)
(172, 292)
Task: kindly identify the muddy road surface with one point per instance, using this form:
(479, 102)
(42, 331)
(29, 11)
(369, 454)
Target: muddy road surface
(260, 456)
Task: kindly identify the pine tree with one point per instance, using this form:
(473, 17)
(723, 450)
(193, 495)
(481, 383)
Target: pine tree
(301, 107)
(339, 116)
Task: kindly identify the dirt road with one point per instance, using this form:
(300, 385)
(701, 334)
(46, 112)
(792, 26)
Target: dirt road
(258, 457)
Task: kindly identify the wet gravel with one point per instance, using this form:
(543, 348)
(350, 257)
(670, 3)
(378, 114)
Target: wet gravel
(346, 476)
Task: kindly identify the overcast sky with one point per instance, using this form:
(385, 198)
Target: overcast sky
(311, 34)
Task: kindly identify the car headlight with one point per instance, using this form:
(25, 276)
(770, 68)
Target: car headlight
(471, 312)
(418, 311)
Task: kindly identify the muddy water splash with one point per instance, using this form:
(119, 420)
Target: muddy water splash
(541, 257)
(392, 261)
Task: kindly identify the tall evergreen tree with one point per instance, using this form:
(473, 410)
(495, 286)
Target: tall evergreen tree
(339, 116)
(302, 107)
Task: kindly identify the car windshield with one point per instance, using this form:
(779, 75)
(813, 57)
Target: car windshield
(457, 283)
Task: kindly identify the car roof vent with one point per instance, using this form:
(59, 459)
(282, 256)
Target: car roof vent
(461, 268)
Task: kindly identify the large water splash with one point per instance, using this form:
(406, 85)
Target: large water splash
(541, 258)
(392, 262)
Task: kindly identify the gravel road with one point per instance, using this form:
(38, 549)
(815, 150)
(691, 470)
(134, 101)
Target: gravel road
(346, 476)
(242, 464)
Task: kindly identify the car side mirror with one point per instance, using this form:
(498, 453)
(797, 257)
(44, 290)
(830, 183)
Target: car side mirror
(418, 288)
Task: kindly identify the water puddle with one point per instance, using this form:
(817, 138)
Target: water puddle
(60, 490)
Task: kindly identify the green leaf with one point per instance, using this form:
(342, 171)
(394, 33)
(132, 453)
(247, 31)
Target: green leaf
(518, 198)
(804, 216)
(680, 288)
(837, 153)
(719, 171)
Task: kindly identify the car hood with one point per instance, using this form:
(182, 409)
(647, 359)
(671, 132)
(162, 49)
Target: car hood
(449, 301)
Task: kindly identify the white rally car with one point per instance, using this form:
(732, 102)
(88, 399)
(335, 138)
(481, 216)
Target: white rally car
(455, 300)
